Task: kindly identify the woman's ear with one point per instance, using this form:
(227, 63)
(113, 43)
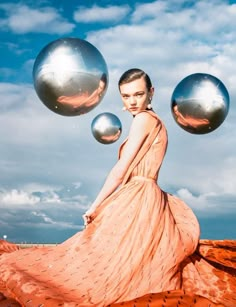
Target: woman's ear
(151, 91)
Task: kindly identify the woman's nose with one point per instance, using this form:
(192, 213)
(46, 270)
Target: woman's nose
(132, 101)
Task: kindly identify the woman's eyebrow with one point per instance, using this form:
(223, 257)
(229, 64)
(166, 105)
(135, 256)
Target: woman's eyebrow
(139, 92)
(135, 93)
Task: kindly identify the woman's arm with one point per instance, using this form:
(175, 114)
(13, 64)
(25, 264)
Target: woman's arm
(141, 126)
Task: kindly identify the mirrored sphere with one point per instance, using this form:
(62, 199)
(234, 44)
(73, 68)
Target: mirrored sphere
(200, 103)
(106, 128)
(70, 76)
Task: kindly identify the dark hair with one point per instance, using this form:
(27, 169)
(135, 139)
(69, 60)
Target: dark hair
(104, 78)
(134, 74)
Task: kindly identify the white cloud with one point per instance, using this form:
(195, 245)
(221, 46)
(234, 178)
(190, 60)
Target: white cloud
(212, 203)
(40, 187)
(77, 185)
(149, 10)
(14, 96)
(101, 14)
(52, 198)
(23, 19)
(168, 38)
(44, 220)
(21, 109)
(44, 196)
(16, 197)
(195, 21)
(44, 217)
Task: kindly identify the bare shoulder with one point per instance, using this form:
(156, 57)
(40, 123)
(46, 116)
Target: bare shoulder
(142, 124)
(146, 119)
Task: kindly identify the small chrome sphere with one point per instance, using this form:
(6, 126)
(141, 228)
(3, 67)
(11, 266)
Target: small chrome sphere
(70, 76)
(106, 128)
(200, 103)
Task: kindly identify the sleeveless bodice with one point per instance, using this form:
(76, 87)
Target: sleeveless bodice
(150, 163)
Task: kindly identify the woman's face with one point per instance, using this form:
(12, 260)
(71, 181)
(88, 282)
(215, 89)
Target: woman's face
(135, 95)
(101, 87)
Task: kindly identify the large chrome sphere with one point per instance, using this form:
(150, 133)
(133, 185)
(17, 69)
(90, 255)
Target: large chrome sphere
(106, 128)
(200, 103)
(70, 76)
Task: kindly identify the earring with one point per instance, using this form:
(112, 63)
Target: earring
(124, 109)
(149, 106)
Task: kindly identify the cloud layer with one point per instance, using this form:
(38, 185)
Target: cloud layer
(43, 154)
(22, 19)
(95, 13)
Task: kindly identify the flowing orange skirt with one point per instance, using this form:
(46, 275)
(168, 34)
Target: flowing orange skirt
(207, 277)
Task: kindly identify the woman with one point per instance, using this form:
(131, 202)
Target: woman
(140, 246)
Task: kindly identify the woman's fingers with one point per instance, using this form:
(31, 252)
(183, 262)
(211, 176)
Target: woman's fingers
(87, 219)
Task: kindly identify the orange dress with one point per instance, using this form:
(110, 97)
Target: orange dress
(142, 249)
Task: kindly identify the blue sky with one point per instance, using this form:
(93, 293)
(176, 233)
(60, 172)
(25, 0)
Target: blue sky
(51, 167)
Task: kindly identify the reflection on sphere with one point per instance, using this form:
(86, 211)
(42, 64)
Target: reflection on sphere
(70, 76)
(200, 103)
(106, 128)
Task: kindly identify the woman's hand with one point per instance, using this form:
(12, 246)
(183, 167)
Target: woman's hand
(88, 216)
